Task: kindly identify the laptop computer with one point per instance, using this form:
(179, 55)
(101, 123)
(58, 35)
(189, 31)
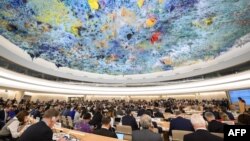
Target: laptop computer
(120, 136)
(117, 119)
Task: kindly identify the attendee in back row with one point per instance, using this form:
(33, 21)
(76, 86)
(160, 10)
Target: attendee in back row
(83, 125)
(180, 123)
(4, 115)
(158, 114)
(141, 111)
(96, 121)
(244, 119)
(129, 120)
(201, 133)
(15, 127)
(105, 129)
(42, 131)
(228, 113)
(214, 125)
(145, 134)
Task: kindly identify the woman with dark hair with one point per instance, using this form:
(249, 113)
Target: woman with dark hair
(242, 105)
(83, 125)
(96, 121)
(16, 126)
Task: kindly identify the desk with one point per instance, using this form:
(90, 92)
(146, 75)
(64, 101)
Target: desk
(86, 136)
(165, 128)
(164, 125)
(193, 112)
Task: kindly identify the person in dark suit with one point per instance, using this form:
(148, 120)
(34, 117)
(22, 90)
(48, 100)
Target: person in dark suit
(229, 114)
(244, 119)
(96, 121)
(149, 112)
(145, 134)
(169, 110)
(141, 111)
(42, 131)
(4, 115)
(216, 113)
(119, 111)
(158, 114)
(201, 133)
(105, 129)
(180, 123)
(37, 113)
(128, 119)
(213, 125)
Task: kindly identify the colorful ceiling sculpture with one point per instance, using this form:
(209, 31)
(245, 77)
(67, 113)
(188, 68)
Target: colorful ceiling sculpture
(122, 37)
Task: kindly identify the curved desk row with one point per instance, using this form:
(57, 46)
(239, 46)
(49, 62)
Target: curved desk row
(82, 136)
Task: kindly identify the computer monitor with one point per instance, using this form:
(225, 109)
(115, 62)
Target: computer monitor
(120, 136)
(117, 119)
(244, 94)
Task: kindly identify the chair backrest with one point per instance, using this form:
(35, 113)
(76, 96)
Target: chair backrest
(178, 135)
(168, 115)
(155, 130)
(63, 120)
(218, 134)
(124, 129)
(71, 125)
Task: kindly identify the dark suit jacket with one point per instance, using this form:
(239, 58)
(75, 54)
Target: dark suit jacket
(168, 110)
(216, 114)
(2, 115)
(216, 126)
(201, 135)
(37, 132)
(96, 120)
(37, 114)
(130, 120)
(159, 115)
(2, 119)
(141, 112)
(145, 135)
(149, 112)
(230, 115)
(105, 132)
(180, 123)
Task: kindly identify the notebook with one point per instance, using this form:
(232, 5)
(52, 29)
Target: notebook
(57, 136)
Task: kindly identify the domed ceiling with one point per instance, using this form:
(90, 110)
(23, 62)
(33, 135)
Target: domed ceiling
(123, 37)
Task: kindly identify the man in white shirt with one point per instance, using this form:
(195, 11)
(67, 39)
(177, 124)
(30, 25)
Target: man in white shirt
(201, 133)
(77, 115)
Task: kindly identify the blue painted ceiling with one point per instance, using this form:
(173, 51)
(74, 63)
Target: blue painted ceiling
(124, 36)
